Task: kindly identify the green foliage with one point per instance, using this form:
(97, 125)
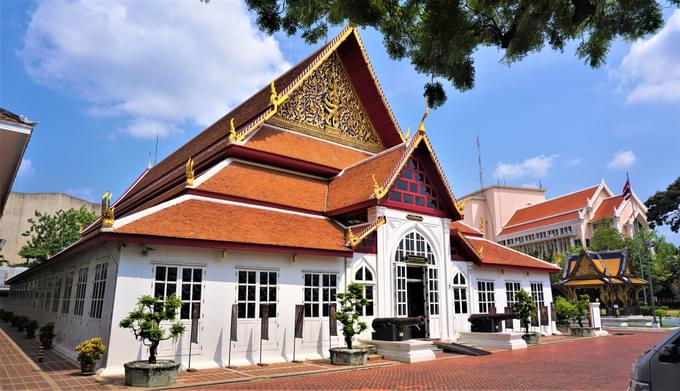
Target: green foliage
(566, 311)
(47, 335)
(606, 237)
(524, 307)
(664, 207)
(351, 303)
(50, 234)
(90, 351)
(582, 310)
(440, 37)
(31, 326)
(145, 319)
(20, 322)
(6, 316)
(665, 262)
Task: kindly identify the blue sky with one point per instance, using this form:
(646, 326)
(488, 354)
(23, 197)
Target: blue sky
(103, 78)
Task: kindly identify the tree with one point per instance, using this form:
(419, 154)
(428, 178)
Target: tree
(440, 37)
(524, 307)
(52, 233)
(351, 303)
(145, 320)
(663, 208)
(606, 237)
(565, 310)
(582, 310)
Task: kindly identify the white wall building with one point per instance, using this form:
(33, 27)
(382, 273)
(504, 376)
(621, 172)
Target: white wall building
(282, 203)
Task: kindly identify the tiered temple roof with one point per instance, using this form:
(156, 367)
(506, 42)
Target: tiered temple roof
(282, 172)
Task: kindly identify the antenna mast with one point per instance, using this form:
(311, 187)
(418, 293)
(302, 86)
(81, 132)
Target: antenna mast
(479, 161)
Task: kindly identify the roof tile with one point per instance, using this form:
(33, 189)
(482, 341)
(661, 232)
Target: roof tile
(494, 254)
(225, 222)
(552, 207)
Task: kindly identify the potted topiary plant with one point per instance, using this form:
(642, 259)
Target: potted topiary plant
(21, 323)
(351, 303)
(525, 308)
(30, 327)
(582, 313)
(566, 311)
(89, 352)
(145, 323)
(47, 335)
(7, 316)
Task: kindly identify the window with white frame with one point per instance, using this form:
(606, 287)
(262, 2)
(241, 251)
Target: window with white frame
(511, 290)
(68, 287)
(256, 288)
(57, 294)
(365, 277)
(537, 294)
(188, 279)
(415, 244)
(486, 296)
(98, 290)
(192, 287)
(48, 294)
(81, 286)
(460, 301)
(320, 291)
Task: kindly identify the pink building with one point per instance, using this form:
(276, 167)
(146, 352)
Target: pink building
(523, 219)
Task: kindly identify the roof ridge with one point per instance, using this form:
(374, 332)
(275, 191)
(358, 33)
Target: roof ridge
(555, 198)
(369, 158)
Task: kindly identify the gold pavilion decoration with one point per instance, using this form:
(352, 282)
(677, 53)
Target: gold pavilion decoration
(326, 106)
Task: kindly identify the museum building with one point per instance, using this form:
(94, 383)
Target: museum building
(307, 186)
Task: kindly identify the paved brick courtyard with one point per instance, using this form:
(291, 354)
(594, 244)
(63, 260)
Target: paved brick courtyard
(594, 364)
(590, 364)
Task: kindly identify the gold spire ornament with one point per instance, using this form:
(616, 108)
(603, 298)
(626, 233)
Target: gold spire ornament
(481, 224)
(107, 210)
(421, 127)
(233, 136)
(407, 136)
(351, 238)
(189, 169)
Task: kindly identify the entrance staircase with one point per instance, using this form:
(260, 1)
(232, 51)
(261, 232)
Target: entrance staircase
(372, 352)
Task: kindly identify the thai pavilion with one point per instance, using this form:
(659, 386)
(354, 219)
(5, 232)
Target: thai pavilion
(605, 276)
(305, 187)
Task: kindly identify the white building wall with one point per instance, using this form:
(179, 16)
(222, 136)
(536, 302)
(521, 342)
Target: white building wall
(219, 293)
(71, 329)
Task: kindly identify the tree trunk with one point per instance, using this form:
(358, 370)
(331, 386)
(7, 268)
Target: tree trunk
(152, 352)
(348, 341)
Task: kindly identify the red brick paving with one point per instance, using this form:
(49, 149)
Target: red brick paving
(589, 364)
(595, 364)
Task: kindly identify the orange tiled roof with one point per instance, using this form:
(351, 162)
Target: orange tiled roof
(494, 254)
(539, 223)
(607, 206)
(262, 184)
(465, 229)
(552, 207)
(305, 148)
(225, 222)
(355, 184)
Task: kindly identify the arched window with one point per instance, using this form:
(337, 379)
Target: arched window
(365, 278)
(415, 244)
(460, 303)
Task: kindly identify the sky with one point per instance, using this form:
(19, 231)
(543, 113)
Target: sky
(103, 79)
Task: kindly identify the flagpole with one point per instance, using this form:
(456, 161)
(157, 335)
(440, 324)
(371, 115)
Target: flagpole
(189, 368)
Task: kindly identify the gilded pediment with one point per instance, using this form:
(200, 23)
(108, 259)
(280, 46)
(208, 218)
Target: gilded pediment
(325, 105)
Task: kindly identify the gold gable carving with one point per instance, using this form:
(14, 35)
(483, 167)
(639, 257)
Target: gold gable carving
(585, 268)
(326, 106)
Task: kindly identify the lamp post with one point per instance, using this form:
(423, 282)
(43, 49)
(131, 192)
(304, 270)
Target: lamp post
(649, 245)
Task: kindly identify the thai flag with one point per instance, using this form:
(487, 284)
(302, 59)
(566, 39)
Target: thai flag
(627, 192)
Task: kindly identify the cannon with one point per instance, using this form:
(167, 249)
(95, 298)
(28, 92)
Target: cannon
(489, 323)
(395, 329)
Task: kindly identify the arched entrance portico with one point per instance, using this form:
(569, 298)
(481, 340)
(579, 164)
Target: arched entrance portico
(417, 283)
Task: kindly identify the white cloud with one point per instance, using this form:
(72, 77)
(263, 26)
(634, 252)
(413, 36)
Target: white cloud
(650, 72)
(154, 64)
(622, 160)
(536, 166)
(25, 168)
(574, 162)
